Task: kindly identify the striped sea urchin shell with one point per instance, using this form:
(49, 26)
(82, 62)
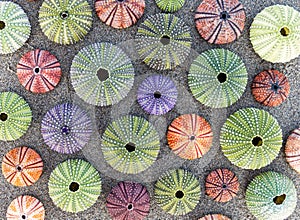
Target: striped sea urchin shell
(251, 138)
(128, 200)
(271, 196)
(120, 13)
(157, 94)
(214, 217)
(170, 5)
(190, 136)
(163, 41)
(222, 185)
(292, 150)
(39, 71)
(220, 21)
(270, 88)
(14, 27)
(26, 208)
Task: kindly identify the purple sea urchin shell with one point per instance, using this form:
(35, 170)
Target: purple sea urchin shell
(128, 200)
(157, 94)
(66, 128)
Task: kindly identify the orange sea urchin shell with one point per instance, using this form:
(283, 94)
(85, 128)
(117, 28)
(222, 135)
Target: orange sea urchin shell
(22, 166)
(214, 217)
(120, 13)
(270, 88)
(190, 136)
(292, 150)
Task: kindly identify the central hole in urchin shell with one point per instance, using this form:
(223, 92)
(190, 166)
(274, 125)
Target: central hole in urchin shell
(275, 87)
(257, 141)
(23, 216)
(3, 116)
(157, 94)
(64, 15)
(165, 40)
(224, 186)
(74, 187)
(2, 25)
(19, 168)
(222, 77)
(102, 74)
(130, 207)
(120, 0)
(192, 137)
(224, 15)
(65, 130)
(285, 32)
(278, 200)
(130, 147)
(179, 194)
(37, 70)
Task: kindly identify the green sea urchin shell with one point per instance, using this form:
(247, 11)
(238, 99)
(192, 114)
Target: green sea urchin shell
(15, 116)
(271, 196)
(102, 74)
(74, 185)
(14, 27)
(67, 21)
(163, 41)
(177, 192)
(217, 78)
(251, 138)
(130, 144)
(275, 33)
(170, 5)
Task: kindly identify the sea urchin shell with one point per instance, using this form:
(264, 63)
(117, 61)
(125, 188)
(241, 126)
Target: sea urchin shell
(128, 200)
(292, 150)
(170, 5)
(214, 217)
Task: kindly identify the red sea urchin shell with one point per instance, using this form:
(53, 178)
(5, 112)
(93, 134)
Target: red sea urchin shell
(221, 185)
(39, 71)
(270, 88)
(128, 200)
(292, 150)
(22, 166)
(119, 13)
(220, 21)
(214, 217)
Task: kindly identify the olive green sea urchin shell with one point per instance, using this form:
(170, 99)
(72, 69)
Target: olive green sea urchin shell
(251, 138)
(271, 196)
(217, 78)
(67, 21)
(177, 192)
(275, 33)
(74, 185)
(170, 5)
(130, 144)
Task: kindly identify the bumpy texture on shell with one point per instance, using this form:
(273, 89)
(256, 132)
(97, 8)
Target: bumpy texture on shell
(67, 21)
(22, 166)
(15, 116)
(251, 138)
(170, 5)
(66, 128)
(14, 27)
(39, 71)
(275, 33)
(214, 217)
(270, 88)
(190, 136)
(26, 208)
(220, 21)
(130, 144)
(177, 192)
(120, 14)
(163, 41)
(217, 78)
(292, 150)
(271, 196)
(74, 185)
(85, 79)
(128, 200)
(157, 94)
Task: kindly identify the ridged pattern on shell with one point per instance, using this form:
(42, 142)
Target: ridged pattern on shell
(39, 71)
(130, 130)
(74, 171)
(243, 130)
(206, 78)
(66, 29)
(171, 182)
(150, 87)
(66, 128)
(170, 53)
(22, 166)
(262, 191)
(170, 5)
(84, 77)
(27, 206)
(15, 116)
(292, 150)
(266, 37)
(120, 14)
(128, 200)
(270, 88)
(214, 217)
(190, 136)
(14, 27)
